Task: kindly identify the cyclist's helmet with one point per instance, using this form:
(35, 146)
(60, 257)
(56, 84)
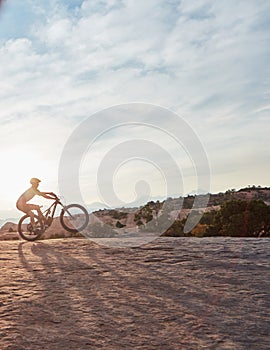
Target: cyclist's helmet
(34, 180)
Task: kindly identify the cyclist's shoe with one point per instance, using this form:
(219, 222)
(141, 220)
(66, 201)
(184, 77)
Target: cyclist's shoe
(36, 229)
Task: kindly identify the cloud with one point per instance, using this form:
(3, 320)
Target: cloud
(208, 61)
(114, 51)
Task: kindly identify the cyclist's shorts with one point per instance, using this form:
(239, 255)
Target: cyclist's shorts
(25, 207)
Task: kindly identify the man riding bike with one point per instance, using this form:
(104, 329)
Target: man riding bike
(23, 205)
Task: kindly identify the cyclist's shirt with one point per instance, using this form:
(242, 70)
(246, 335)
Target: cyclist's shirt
(28, 195)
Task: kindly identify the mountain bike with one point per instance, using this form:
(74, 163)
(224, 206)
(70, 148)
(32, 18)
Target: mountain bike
(73, 218)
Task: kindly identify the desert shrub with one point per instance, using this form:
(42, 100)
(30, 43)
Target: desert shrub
(146, 212)
(199, 230)
(118, 215)
(139, 223)
(119, 224)
(208, 217)
(176, 229)
(241, 218)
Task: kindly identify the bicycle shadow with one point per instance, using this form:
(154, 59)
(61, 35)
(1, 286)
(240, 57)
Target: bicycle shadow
(55, 304)
(100, 293)
(88, 295)
(85, 295)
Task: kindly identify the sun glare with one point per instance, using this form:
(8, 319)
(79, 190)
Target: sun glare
(18, 166)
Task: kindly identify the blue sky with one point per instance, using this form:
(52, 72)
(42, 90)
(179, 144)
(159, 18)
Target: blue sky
(62, 61)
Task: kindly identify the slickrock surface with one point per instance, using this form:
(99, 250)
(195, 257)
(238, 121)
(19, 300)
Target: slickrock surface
(173, 293)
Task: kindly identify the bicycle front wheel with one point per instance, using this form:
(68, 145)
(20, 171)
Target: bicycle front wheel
(74, 218)
(27, 231)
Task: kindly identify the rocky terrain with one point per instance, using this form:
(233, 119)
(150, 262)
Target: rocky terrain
(126, 217)
(173, 293)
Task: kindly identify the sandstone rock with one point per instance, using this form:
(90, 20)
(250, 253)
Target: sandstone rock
(173, 293)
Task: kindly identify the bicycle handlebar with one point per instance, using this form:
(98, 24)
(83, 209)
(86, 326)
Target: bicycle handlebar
(54, 196)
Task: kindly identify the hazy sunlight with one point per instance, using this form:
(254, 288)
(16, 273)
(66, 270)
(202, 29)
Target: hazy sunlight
(18, 166)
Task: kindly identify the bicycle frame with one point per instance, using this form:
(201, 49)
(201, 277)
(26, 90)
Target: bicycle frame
(51, 210)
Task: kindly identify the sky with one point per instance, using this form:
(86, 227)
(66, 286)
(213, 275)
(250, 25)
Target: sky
(65, 61)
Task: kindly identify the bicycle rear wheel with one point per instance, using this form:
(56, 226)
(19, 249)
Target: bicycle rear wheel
(74, 218)
(26, 230)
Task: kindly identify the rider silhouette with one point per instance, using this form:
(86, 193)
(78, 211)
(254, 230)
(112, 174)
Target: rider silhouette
(23, 205)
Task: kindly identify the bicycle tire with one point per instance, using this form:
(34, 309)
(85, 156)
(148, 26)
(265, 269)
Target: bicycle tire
(23, 228)
(76, 222)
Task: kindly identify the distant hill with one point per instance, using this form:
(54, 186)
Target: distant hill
(217, 199)
(247, 193)
(125, 220)
(180, 206)
(4, 221)
(9, 226)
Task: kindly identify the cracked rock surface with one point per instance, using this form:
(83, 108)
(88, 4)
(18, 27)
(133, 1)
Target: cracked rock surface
(172, 293)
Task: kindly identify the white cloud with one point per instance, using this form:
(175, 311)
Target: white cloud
(206, 60)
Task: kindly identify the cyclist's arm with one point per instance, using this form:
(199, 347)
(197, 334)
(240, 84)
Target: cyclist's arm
(48, 195)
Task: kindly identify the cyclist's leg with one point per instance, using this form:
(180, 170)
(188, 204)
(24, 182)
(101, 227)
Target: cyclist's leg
(32, 217)
(32, 207)
(27, 209)
(40, 214)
